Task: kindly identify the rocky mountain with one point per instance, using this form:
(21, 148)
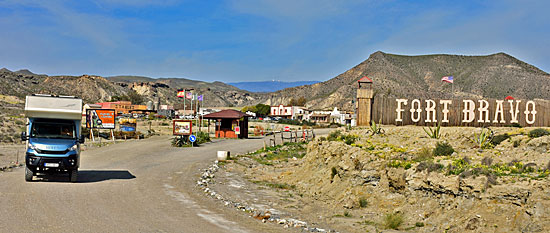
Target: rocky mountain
(493, 76)
(269, 86)
(98, 89)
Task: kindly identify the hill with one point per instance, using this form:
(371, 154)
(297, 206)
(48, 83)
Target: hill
(492, 76)
(269, 86)
(98, 89)
(215, 93)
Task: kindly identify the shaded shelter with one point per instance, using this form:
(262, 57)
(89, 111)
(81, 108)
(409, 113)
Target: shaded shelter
(226, 122)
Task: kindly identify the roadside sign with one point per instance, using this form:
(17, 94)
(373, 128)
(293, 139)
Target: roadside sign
(237, 130)
(182, 127)
(127, 124)
(192, 138)
(287, 128)
(100, 118)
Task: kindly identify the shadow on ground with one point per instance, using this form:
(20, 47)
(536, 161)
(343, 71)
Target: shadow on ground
(89, 176)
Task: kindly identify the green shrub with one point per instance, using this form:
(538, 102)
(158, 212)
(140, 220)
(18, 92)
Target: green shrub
(363, 202)
(443, 149)
(393, 221)
(434, 132)
(538, 133)
(349, 139)
(419, 224)
(334, 135)
(484, 138)
(458, 166)
(179, 141)
(398, 164)
(347, 214)
(202, 137)
(424, 154)
(499, 138)
(375, 128)
(430, 166)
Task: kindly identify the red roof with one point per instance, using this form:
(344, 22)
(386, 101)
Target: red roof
(509, 98)
(365, 79)
(226, 114)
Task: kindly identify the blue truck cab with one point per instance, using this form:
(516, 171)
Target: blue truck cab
(52, 135)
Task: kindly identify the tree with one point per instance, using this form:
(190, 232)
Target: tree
(249, 108)
(262, 109)
(131, 96)
(134, 97)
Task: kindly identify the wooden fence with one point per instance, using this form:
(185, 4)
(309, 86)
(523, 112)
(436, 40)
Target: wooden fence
(384, 110)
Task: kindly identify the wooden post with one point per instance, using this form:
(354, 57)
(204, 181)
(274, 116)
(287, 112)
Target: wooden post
(92, 133)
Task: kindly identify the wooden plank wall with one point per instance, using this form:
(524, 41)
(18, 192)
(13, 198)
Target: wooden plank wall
(384, 110)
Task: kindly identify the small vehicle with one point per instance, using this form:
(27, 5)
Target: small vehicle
(53, 135)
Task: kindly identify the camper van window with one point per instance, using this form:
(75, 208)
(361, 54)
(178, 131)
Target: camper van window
(52, 130)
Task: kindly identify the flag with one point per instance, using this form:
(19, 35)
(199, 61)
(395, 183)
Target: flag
(448, 79)
(199, 98)
(181, 94)
(189, 95)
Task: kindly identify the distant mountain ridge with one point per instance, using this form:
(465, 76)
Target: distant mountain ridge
(269, 86)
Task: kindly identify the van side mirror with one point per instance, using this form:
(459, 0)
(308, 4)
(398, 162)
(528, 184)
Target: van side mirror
(24, 136)
(81, 139)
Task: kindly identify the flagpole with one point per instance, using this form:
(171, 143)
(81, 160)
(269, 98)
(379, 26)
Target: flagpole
(184, 97)
(453, 88)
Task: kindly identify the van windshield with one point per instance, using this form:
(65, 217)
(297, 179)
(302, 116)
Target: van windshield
(61, 130)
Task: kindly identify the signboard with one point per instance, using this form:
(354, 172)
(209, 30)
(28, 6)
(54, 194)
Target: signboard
(100, 118)
(287, 128)
(192, 138)
(237, 130)
(461, 112)
(182, 127)
(127, 124)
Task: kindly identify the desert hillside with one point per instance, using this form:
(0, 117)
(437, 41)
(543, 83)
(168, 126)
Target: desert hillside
(493, 76)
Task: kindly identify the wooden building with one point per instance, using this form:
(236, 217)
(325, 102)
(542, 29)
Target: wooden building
(365, 93)
(227, 121)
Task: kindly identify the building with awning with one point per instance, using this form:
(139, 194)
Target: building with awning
(229, 123)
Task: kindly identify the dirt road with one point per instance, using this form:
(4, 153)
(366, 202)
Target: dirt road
(137, 186)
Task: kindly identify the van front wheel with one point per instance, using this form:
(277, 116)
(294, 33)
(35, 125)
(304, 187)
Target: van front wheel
(73, 175)
(28, 174)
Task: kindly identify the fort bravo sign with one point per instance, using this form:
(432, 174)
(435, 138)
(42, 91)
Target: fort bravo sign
(460, 112)
(471, 111)
(448, 112)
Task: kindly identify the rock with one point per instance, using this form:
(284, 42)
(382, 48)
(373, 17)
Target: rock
(396, 178)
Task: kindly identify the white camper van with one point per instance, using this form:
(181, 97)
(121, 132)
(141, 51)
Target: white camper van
(52, 135)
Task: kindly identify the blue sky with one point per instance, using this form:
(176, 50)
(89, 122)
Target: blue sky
(255, 40)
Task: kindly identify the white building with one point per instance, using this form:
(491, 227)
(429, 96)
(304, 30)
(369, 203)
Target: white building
(281, 111)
